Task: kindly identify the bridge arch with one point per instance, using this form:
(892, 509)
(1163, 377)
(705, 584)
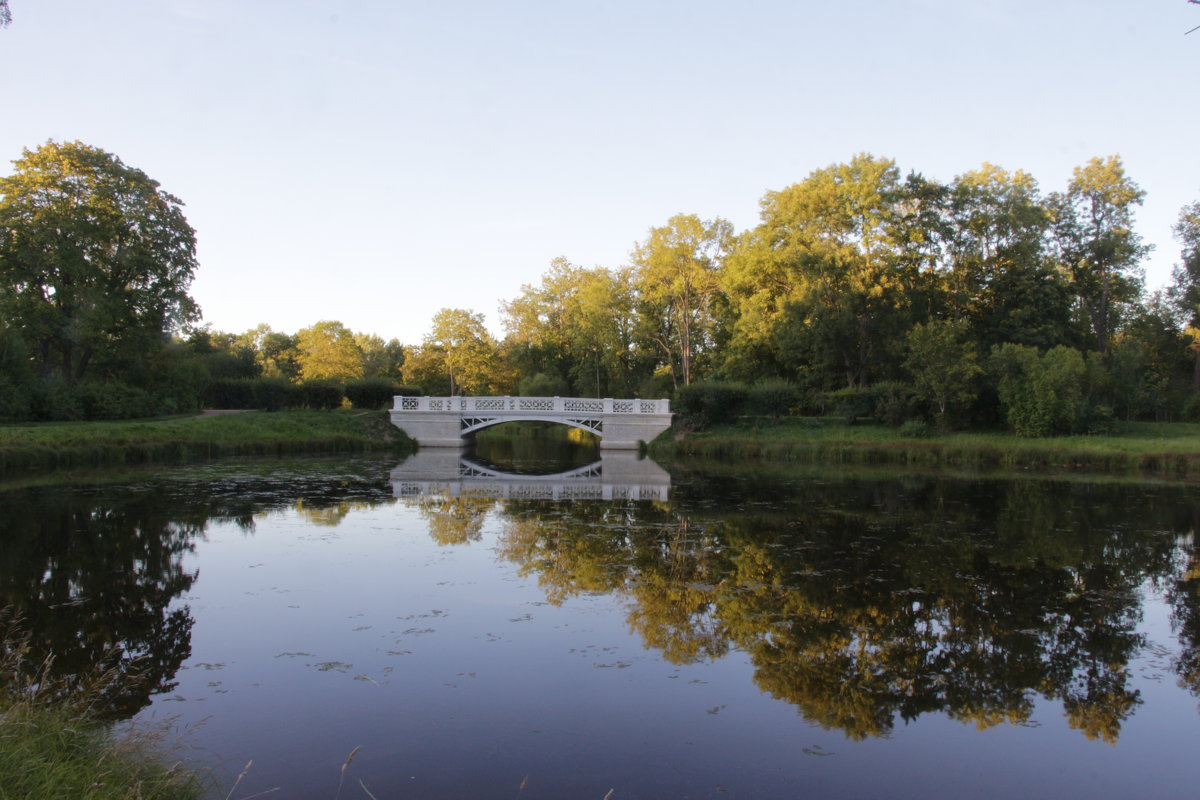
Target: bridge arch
(474, 424)
(473, 469)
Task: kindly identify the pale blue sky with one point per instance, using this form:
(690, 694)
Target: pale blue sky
(373, 161)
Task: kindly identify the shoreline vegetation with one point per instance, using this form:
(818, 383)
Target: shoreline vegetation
(1170, 450)
(54, 742)
(1161, 450)
(51, 749)
(60, 445)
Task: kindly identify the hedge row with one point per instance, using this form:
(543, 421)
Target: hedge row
(56, 401)
(273, 394)
(718, 402)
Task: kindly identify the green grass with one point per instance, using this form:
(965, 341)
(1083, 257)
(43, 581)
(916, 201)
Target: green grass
(52, 745)
(55, 445)
(50, 752)
(1164, 449)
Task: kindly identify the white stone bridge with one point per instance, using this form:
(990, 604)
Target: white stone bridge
(444, 421)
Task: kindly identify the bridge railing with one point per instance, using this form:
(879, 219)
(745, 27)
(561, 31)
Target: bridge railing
(532, 405)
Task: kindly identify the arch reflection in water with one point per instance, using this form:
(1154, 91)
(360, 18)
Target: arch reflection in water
(617, 475)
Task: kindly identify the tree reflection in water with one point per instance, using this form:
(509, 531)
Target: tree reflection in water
(94, 575)
(93, 582)
(861, 603)
(1185, 602)
(455, 520)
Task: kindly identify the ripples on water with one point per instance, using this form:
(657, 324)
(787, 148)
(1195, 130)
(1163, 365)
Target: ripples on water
(736, 633)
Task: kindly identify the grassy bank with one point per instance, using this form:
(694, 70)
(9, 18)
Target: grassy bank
(1166, 449)
(54, 752)
(55, 445)
(53, 745)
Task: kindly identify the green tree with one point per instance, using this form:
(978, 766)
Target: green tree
(459, 346)
(677, 281)
(601, 333)
(1097, 246)
(1042, 394)
(536, 322)
(1184, 292)
(997, 274)
(278, 355)
(95, 259)
(578, 325)
(16, 378)
(944, 364)
(224, 355)
(327, 350)
(825, 283)
(1147, 366)
(274, 352)
(380, 359)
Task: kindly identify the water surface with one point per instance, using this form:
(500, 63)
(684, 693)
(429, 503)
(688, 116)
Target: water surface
(704, 633)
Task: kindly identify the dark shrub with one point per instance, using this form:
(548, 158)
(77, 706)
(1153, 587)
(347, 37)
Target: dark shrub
(915, 429)
(230, 393)
(114, 400)
(274, 394)
(709, 403)
(17, 381)
(772, 398)
(543, 385)
(1191, 408)
(322, 394)
(1100, 419)
(1042, 393)
(893, 403)
(54, 401)
(268, 394)
(15, 401)
(181, 388)
(850, 404)
(375, 393)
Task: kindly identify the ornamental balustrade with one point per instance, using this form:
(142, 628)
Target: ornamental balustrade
(566, 405)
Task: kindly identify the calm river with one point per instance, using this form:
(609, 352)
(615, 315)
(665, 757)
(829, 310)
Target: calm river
(627, 631)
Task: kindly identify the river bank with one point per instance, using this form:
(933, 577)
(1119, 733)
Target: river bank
(1160, 449)
(56, 445)
(55, 742)
(1155, 449)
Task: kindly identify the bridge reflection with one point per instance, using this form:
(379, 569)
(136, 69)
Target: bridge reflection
(617, 475)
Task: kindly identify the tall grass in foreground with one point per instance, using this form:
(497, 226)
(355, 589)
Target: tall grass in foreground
(52, 744)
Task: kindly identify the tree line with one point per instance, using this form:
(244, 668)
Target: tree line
(862, 291)
(865, 291)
